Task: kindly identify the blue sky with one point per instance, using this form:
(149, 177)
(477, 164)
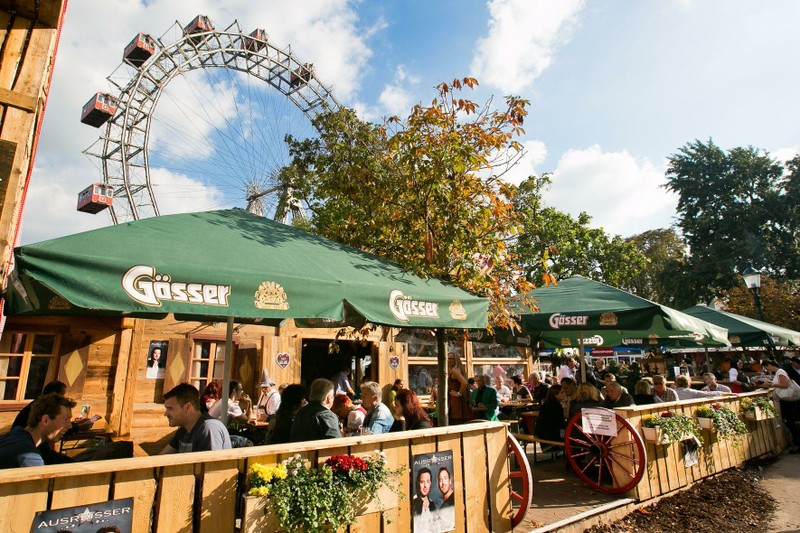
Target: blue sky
(615, 87)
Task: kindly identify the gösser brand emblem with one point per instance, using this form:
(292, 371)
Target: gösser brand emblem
(282, 359)
(142, 284)
(270, 295)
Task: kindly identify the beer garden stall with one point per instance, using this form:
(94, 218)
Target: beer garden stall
(252, 270)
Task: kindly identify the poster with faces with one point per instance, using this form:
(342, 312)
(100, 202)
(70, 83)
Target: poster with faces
(432, 498)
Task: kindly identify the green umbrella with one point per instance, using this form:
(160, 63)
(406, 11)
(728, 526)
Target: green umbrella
(744, 331)
(580, 311)
(229, 264)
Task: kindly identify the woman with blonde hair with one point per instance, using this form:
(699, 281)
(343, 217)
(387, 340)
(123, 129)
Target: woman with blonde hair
(458, 390)
(586, 395)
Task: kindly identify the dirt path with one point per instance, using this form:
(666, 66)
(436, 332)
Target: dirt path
(782, 482)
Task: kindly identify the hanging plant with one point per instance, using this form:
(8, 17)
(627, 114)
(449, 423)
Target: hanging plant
(758, 408)
(726, 423)
(673, 426)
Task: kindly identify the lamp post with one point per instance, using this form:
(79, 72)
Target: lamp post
(752, 278)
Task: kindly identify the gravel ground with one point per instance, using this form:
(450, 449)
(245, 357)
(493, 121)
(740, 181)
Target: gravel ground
(732, 501)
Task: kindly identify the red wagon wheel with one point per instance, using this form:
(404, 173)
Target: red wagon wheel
(522, 488)
(613, 465)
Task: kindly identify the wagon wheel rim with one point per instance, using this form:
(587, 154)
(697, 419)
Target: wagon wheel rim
(520, 500)
(613, 465)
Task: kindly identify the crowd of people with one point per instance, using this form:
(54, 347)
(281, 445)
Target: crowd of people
(332, 409)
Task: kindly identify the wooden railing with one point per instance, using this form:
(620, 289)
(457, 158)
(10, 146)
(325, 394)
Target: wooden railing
(666, 468)
(201, 491)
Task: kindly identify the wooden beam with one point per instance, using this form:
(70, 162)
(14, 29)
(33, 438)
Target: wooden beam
(21, 101)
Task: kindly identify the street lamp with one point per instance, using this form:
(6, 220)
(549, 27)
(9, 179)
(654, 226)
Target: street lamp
(752, 278)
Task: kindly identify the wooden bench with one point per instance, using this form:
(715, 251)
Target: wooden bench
(525, 439)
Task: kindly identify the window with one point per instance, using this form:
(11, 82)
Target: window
(27, 363)
(208, 360)
(497, 360)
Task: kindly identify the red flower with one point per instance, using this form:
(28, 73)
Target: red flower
(667, 414)
(341, 464)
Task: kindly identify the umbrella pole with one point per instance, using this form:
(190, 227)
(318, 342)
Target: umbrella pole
(226, 373)
(441, 389)
(582, 355)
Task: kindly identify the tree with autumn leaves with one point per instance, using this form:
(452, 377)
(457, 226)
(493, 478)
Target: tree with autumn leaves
(425, 191)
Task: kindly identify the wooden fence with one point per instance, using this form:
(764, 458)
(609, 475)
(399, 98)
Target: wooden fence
(666, 467)
(201, 491)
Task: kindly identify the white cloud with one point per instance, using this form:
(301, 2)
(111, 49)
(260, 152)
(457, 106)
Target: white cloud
(523, 36)
(622, 193)
(535, 152)
(783, 155)
(177, 193)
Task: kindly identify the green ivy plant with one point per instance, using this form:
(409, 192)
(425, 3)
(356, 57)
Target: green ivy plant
(674, 426)
(727, 424)
(748, 405)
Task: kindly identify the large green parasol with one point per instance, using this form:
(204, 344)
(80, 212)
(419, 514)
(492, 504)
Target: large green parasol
(744, 331)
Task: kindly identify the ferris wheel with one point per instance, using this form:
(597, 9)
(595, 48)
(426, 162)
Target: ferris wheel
(201, 115)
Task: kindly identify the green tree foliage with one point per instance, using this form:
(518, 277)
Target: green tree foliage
(664, 251)
(733, 210)
(425, 191)
(554, 245)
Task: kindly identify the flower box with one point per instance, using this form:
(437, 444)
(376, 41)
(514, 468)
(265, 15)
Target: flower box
(656, 436)
(757, 414)
(706, 423)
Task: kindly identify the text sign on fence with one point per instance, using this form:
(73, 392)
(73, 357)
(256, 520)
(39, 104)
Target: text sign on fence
(107, 516)
(598, 421)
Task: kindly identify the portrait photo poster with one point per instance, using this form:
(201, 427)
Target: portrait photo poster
(432, 484)
(156, 359)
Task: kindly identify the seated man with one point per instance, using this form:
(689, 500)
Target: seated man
(50, 416)
(661, 391)
(711, 383)
(484, 400)
(379, 417)
(60, 388)
(616, 396)
(315, 420)
(197, 431)
(685, 392)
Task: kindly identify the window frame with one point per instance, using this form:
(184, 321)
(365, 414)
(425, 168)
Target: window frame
(27, 356)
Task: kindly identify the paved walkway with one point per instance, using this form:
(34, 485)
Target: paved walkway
(782, 482)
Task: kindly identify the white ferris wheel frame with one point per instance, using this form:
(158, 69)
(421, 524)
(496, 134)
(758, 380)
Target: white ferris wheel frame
(123, 146)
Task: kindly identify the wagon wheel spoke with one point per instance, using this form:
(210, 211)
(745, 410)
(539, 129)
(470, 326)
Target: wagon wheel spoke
(624, 469)
(611, 472)
(618, 444)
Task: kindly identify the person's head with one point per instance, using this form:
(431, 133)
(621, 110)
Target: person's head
(795, 362)
(454, 361)
(517, 381)
(406, 404)
(182, 405)
(709, 379)
(554, 394)
(156, 355)
(571, 362)
(740, 364)
(498, 381)
(282, 387)
(51, 414)
(342, 405)
(608, 378)
(600, 363)
(613, 391)
(424, 482)
(587, 392)
(398, 385)
(293, 398)
(266, 384)
(681, 380)
(370, 394)
(480, 381)
(321, 392)
(445, 482)
(58, 387)
(659, 383)
(533, 379)
(471, 383)
(643, 387)
(235, 390)
(213, 390)
(771, 365)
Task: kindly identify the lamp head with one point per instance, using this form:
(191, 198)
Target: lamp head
(752, 278)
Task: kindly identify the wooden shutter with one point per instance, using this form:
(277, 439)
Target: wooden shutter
(247, 368)
(179, 360)
(73, 362)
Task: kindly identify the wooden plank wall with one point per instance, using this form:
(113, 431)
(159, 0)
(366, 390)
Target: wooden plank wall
(666, 468)
(28, 38)
(165, 487)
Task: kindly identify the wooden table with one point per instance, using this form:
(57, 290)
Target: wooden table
(86, 439)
